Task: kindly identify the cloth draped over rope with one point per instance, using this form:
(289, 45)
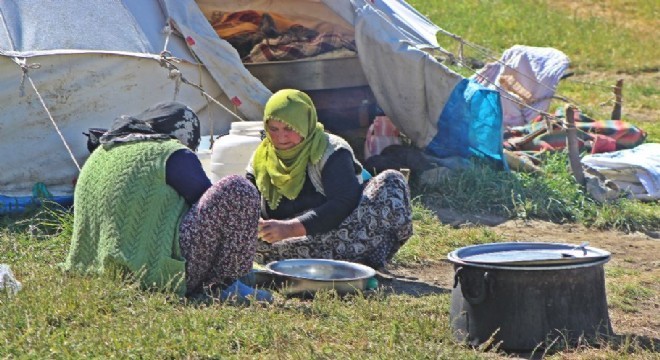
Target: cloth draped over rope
(594, 136)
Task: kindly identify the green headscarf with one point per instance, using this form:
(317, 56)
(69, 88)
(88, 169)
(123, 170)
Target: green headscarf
(282, 172)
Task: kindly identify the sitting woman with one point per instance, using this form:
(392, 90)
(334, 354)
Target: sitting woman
(314, 204)
(144, 206)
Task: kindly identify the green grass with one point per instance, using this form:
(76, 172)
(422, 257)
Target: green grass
(62, 315)
(592, 43)
(602, 47)
(59, 315)
(553, 196)
(432, 240)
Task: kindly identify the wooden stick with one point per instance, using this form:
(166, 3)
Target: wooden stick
(572, 144)
(618, 100)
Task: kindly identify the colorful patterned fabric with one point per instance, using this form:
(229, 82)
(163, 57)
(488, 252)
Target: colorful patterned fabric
(293, 47)
(594, 136)
(218, 234)
(371, 234)
(265, 36)
(230, 24)
(244, 29)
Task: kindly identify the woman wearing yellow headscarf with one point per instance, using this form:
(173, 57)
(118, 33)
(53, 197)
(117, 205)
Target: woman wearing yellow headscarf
(314, 202)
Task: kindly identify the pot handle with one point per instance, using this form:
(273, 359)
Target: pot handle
(484, 287)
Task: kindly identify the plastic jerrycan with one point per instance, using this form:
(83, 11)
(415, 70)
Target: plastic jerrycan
(231, 153)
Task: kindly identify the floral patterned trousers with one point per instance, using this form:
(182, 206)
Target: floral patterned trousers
(218, 235)
(371, 234)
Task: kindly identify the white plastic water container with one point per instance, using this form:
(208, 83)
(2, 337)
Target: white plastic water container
(231, 153)
(204, 154)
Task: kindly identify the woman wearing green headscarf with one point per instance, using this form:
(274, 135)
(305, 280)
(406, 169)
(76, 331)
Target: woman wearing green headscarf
(314, 202)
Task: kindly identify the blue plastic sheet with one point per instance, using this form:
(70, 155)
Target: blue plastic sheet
(470, 124)
(19, 204)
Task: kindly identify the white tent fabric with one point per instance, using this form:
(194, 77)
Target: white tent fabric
(55, 27)
(94, 60)
(410, 85)
(415, 28)
(220, 58)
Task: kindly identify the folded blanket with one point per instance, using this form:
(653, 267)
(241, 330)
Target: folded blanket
(636, 170)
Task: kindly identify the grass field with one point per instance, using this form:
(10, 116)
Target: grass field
(63, 316)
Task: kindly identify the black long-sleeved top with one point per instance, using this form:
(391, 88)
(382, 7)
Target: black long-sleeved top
(184, 173)
(316, 212)
(319, 213)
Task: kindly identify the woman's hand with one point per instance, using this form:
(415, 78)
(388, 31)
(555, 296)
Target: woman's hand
(272, 231)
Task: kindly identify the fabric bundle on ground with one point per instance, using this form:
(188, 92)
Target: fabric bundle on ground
(636, 170)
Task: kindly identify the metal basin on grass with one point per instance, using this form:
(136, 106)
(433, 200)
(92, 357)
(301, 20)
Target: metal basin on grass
(305, 277)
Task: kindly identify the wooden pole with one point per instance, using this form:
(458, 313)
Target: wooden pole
(618, 100)
(572, 144)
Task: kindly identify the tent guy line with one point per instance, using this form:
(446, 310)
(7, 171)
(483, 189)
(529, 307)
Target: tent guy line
(25, 67)
(175, 74)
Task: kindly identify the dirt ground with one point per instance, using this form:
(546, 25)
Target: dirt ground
(636, 251)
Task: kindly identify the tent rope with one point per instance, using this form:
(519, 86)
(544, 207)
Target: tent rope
(616, 99)
(25, 67)
(488, 54)
(167, 61)
(503, 92)
(169, 30)
(609, 87)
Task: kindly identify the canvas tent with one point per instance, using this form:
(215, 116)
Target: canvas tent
(66, 66)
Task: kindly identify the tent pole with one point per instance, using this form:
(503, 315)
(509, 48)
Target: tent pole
(618, 99)
(573, 152)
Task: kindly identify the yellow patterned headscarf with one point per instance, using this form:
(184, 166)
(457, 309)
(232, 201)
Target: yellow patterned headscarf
(282, 172)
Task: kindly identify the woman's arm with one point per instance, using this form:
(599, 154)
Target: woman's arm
(275, 230)
(185, 174)
(342, 194)
(342, 191)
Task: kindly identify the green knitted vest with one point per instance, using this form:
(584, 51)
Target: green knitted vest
(126, 217)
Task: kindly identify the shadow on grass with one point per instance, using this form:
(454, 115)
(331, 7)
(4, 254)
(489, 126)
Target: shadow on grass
(632, 342)
(457, 219)
(398, 285)
(626, 344)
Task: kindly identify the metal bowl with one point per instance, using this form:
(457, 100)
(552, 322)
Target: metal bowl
(307, 276)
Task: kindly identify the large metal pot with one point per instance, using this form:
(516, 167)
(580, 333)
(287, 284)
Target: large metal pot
(533, 294)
